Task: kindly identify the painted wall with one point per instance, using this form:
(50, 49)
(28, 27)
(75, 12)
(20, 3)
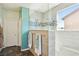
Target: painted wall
(67, 43)
(71, 22)
(61, 14)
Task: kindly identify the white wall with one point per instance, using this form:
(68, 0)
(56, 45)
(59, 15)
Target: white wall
(11, 27)
(67, 43)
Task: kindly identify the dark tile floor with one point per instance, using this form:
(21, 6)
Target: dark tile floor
(15, 51)
(27, 53)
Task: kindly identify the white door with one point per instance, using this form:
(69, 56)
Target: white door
(11, 19)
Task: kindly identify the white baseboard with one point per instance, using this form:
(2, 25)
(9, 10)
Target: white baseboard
(25, 49)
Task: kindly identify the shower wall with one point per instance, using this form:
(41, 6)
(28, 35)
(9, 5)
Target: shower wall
(51, 15)
(51, 43)
(66, 43)
(35, 18)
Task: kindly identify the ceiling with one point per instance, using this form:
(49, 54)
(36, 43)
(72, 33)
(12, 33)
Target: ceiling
(41, 7)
